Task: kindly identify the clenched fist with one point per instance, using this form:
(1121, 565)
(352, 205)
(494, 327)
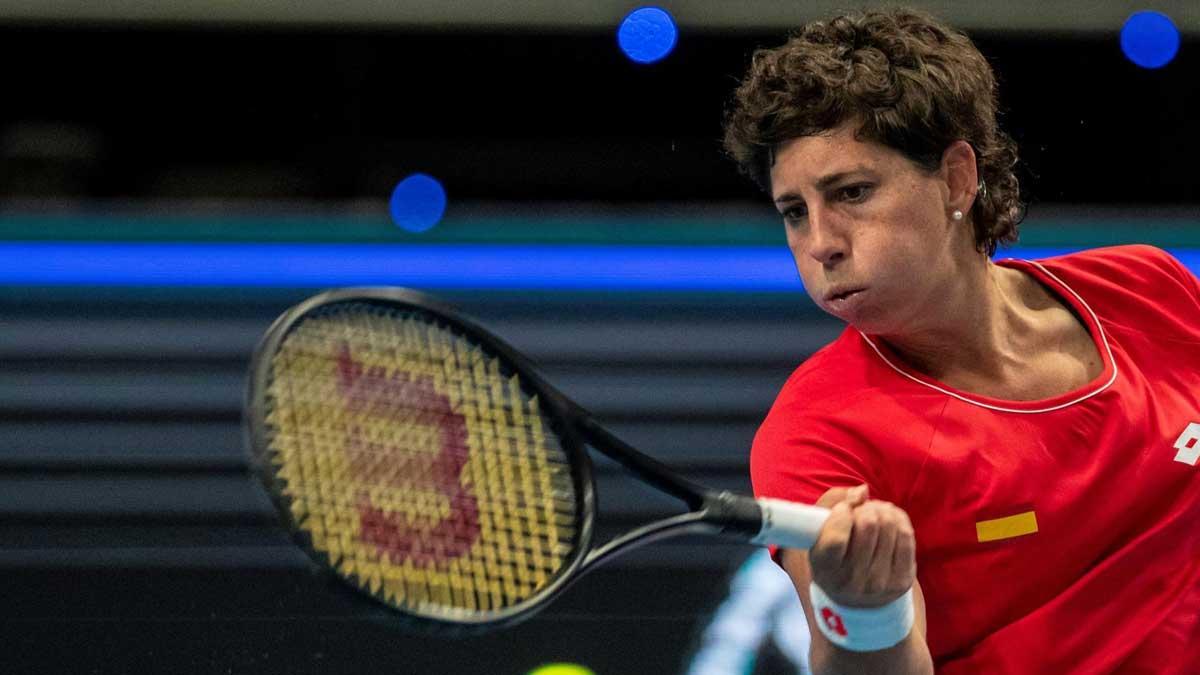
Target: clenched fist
(865, 554)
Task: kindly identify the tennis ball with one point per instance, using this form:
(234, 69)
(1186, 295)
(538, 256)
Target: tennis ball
(562, 669)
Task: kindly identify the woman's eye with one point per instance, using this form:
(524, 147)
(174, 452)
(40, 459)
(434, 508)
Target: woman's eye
(795, 213)
(855, 193)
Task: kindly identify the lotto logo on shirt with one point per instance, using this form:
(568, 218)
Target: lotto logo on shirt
(1188, 445)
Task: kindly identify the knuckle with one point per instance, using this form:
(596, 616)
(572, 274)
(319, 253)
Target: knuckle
(867, 521)
(837, 542)
(898, 519)
(827, 550)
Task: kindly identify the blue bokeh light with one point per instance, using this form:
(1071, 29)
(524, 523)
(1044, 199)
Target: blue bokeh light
(417, 203)
(647, 34)
(1150, 39)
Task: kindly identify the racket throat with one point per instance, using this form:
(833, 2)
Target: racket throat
(733, 515)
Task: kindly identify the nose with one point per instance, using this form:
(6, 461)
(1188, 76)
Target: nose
(826, 239)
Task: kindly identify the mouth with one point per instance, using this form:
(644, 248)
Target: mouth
(842, 294)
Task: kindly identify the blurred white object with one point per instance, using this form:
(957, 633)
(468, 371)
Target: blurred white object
(762, 604)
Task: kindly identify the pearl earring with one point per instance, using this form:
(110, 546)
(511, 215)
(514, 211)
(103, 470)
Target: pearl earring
(957, 215)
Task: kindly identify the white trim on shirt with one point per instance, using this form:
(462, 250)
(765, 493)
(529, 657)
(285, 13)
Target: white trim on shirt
(1103, 340)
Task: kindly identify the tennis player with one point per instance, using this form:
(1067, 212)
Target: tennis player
(1009, 447)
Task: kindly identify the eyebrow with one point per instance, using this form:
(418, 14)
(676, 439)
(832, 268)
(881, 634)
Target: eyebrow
(822, 183)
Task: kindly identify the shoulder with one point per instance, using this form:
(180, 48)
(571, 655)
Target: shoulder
(838, 371)
(1124, 279)
(1115, 255)
(807, 406)
(1120, 265)
(846, 380)
(841, 419)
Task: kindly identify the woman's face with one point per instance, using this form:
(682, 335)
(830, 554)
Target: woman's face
(870, 232)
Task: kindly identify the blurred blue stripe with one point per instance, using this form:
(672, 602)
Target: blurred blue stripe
(433, 266)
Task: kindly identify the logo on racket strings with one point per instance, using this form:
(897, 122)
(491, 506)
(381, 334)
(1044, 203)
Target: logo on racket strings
(410, 400)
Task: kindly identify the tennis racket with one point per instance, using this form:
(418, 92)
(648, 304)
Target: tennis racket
(425, 463)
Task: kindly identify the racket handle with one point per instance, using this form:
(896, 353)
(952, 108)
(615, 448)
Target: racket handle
(789, 524)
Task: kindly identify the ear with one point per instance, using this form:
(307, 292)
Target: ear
(961, 176)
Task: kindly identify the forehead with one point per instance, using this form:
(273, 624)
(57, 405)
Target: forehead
(802, 162)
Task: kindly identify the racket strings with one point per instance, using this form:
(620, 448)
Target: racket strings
(424, 472)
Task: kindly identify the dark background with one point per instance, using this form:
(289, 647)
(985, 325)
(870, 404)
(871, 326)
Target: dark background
(132, 539)
(287, 113)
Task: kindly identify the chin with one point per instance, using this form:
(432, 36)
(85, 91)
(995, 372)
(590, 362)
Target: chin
(870, 323)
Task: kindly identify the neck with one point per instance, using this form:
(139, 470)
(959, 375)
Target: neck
(983, 329)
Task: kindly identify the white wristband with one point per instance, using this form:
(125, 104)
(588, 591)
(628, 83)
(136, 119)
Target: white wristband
(862, 629)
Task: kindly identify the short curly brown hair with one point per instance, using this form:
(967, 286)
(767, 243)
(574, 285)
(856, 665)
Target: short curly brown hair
(915, 84)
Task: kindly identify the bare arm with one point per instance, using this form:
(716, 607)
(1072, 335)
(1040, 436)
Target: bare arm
(871, 569)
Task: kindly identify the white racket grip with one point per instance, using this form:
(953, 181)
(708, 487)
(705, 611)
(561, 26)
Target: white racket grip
(789, 524)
